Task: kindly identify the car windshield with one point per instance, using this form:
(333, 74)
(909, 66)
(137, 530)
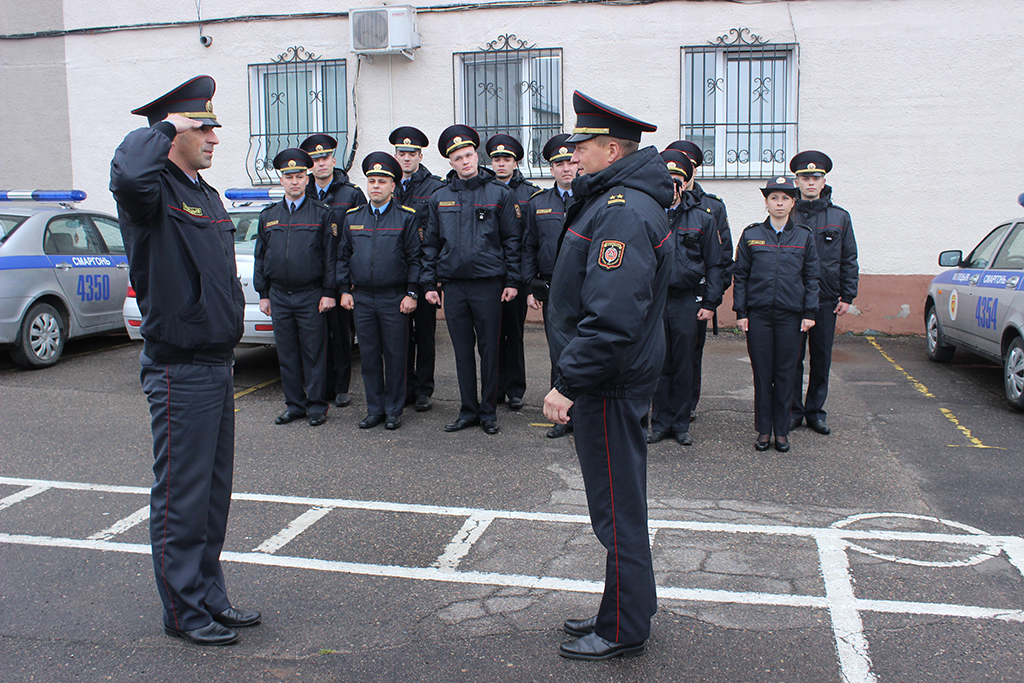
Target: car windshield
(9, 224)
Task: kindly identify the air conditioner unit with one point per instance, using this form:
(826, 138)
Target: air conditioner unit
(383, 30)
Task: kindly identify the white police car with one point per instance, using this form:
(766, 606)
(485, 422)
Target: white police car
(63, 274)
(259, 330)
(979, 305)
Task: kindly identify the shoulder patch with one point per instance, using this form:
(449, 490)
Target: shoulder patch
(407, 208)
(616, 199)
(610, 256)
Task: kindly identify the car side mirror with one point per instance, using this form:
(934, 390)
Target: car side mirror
(950, 259)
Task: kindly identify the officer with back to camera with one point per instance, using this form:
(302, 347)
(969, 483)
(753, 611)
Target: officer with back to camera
(414, 190)
(506, 152)
(607, 323)
(180, 244)
(331, 186)
(542, 227)
(471, 251)
(295, 256)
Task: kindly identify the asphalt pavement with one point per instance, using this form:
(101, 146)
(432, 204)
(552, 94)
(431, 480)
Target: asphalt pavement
(890, 550)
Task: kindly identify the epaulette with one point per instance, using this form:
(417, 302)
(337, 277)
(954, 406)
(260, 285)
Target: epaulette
(355, 208)
(318, 202)
(536, 193)
(616, 199)
(753, 225)
(407, 208)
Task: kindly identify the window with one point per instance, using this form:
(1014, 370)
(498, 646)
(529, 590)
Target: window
(982, 254)
(290, 99)
(1011, 256)
(739, 105)
(71, 236)
(110, 231)
(515, 89)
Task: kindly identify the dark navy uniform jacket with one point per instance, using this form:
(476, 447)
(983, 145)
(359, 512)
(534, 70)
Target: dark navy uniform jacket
(180, 246)
(542, 226)
(776, 271)
(523, 189)
(342, 195)
(717, 206)
(416, 193)
(607, 303)
(296, 250)
(837, 247)
(379, 252)
(698, 251)
(473, 232)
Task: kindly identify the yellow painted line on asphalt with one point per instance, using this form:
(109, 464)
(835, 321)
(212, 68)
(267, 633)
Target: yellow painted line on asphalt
(975, 442)
(542, 424)
(246, 392)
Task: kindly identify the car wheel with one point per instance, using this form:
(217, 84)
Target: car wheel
(1013, 373)
(41, 339)
(937, 350)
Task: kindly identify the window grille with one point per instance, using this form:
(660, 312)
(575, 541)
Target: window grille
(739, 101)
(296, 95)
(513, 88)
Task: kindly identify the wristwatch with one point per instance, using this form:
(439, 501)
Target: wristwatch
(412, 295)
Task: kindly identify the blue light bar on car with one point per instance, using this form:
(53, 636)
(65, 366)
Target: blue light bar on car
(42, 196)
(253, 194)
(1020, 199)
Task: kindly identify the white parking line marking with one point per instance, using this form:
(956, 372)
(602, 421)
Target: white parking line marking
(462, 542)
(851, 644)
(22, 495)
(123, 525)
(296, 527)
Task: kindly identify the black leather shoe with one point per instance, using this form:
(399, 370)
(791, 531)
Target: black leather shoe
(423, 404)
(684, 439)
(559, 431)
(693, 415)
(460, 424)
(593, 647)
(490, 426)
(287, 416)
(317, 419)
(211, 634)
(763, 442)
(655, 436)
(782, 444)
(342, 400)
(819, 426)
(370, 421)
(795, 422)
(238, 618)
(393, 422)
(515, 403)
(579, 627)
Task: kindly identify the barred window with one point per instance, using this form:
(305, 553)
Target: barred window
(513, 88)
(290, 99)
(739, 105)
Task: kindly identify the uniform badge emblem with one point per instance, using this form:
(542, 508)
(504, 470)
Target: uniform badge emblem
(377, 167)
(319, 148)
(519, 213)
(457, 140)
(616, 199)
(952, 305)
(291, 163)
(334, 229)
(611, 253)
(195, 211)
(407, 141)
(501, 148)
(811, 166)
(780, 181)
(563, 150)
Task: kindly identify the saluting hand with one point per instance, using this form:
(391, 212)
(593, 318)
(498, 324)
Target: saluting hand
(183, 123)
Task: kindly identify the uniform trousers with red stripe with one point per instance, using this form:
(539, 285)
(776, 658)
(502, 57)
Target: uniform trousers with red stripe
(611, 443)
(192, 411)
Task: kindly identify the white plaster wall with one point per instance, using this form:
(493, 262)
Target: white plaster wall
(917, 101)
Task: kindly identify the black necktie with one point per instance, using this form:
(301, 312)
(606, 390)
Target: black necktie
(323, 193)
(291, 207)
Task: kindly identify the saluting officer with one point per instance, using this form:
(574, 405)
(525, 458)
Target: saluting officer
(414, 191)
(331, 186)
(717, 206)
(294, 267)
(378, 275)
(506, 152)
(471, 251)
(542, 227)
(694, 292)
(180, 249)
(606, 321)
(775, 298)
(837, 283)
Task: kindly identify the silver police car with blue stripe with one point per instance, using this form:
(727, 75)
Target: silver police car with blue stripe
(63, 274)
(979, 305)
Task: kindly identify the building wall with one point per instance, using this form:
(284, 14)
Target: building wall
(916, 101)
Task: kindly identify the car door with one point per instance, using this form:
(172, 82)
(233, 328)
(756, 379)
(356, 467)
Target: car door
(110, 231)
(999, 290)
(972, 309)
(85, 272)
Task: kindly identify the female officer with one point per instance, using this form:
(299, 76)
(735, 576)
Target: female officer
(775, 299)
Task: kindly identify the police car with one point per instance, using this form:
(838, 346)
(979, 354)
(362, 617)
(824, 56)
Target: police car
(245, 214)
(63, 274)
(978, 305)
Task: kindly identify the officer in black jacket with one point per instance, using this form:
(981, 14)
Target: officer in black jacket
(775, 296)
(837, 284)
(607, 325)
(294, 268)
(332, 186)
(179, 243)
(506, 152)
(717, 207)
(542, 227)
(414, 191)
(694, 292)
(471, 250)
(378, 275)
